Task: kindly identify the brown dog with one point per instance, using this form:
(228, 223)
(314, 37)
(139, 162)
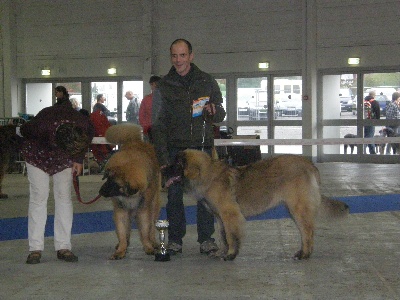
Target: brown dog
(235, 193)
(10, 144)
(133, 184)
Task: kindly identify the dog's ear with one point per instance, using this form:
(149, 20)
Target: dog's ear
(111, 172)
(192, 172)
(190, 165)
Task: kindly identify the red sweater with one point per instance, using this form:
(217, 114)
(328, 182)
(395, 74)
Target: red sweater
(145, 113)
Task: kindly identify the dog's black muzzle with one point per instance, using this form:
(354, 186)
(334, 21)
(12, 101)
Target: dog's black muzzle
(111, 189)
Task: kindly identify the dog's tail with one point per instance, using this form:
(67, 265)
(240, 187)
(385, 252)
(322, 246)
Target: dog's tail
(123, 133)
(332, 209)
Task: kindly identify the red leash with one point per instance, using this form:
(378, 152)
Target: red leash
(78, 194)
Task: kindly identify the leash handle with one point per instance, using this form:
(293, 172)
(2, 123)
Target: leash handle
(75, 181)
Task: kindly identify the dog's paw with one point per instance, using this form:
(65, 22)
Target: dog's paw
(118, 255)
(150, 251)
(230, 257)
(301, 255)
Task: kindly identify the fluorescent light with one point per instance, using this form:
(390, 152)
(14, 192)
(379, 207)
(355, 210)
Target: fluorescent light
(45, 72)
(112, 71)
(353, 61)
(263, 65)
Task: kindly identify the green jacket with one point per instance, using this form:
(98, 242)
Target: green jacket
(177, 123)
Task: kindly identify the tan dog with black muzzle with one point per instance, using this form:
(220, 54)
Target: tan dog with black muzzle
(134, 184)
(235, 193)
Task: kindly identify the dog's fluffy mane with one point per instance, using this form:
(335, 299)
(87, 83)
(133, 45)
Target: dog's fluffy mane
(123, 133)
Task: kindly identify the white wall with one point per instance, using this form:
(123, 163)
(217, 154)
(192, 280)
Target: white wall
(358, 28)
(80, 38)
(231, 36)
(83, 38)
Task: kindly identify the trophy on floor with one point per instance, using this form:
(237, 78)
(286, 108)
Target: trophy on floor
(162, 254)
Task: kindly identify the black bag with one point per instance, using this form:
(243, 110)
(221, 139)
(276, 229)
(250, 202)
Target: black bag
(236, 155)
(222, 132)
(243, 155)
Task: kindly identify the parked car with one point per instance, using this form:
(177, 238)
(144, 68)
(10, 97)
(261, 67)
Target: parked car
(290, 106)
(383, 102)
(346, 103)
(258, 113)
(290, 111)
(252, 113)
(346, 100)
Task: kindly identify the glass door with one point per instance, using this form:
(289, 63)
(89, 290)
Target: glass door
(38, 96)
(136, 87)
(105, 93)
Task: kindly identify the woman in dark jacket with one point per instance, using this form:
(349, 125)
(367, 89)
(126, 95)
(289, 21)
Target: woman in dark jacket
(56, 141)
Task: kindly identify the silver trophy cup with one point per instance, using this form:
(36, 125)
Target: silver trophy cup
(162, 254)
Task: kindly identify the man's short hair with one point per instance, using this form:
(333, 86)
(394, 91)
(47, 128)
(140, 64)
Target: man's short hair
(395, 96)
(188, 44)
(129, 93)
(154, 78)
(99, 97)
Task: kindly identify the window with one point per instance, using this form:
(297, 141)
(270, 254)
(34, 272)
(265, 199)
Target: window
(383, 85)
(252, 99)
(222, 87)
(38, 96)
(287, 98)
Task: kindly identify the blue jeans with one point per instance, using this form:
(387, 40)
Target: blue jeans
(369, 132)
(176, 211)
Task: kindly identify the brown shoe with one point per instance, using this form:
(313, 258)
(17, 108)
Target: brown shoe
(67, 255)
(34, 257)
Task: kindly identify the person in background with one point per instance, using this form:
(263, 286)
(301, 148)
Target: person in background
(191, 102)
(100, 105)
(132, 111)
(371, 111)
(146, 108)
(100, 108)
(55, 143)
(61, 94)
(84, 112)
(75, 104)
(393, 113)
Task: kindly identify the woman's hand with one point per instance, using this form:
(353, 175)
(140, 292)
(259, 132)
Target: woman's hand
(77, 168)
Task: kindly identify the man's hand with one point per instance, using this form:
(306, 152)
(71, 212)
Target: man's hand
(210, 107)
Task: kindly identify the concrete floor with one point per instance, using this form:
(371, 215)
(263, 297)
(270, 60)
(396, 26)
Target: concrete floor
(354, 258)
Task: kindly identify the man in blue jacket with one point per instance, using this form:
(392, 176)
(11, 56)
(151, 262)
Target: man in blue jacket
(190, 101)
